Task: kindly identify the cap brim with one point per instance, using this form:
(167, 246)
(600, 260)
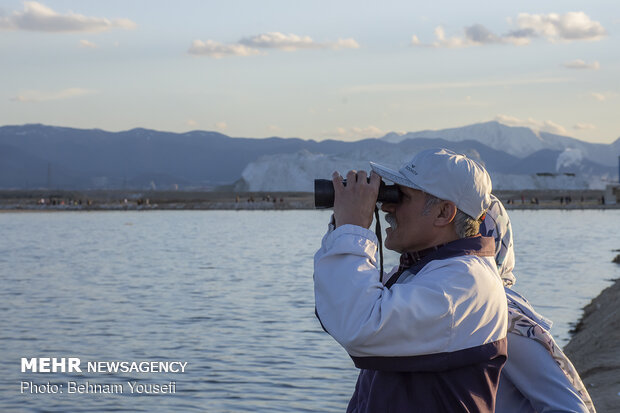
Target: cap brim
(392, 175)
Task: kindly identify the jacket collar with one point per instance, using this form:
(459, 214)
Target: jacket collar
(414, 261)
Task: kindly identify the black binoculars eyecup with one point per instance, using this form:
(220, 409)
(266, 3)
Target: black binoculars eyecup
(324, 193)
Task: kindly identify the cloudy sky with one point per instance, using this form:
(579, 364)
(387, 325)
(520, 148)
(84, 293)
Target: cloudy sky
(315, 69)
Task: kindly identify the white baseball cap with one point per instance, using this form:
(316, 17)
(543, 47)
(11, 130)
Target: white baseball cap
(446, 175)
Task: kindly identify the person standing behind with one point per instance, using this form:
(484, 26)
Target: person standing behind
(432, 338)
(538, 377)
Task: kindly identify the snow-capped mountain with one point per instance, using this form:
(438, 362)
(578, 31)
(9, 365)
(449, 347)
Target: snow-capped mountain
(516, 140)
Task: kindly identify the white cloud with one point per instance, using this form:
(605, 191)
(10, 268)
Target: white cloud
(516, 40)
(537, 125)
(292, 42)
(552, 127)
(553, 27)
(219, 50)
(349, 43)
(580, 64)
(601, 97)
(220, 126)
(35, 96)
(191, 123)
(273, 40)
(88, 44)
(476, 35)
(451, 42)
(38, 17)
(356, 133)
(584, 126)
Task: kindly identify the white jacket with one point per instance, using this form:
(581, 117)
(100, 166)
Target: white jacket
(451, 304)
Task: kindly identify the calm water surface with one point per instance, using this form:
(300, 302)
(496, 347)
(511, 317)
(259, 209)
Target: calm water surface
(230, 293)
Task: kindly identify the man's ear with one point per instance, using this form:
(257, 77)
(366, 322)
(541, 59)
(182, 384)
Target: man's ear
(445, 214)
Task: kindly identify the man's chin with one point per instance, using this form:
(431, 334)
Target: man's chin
(389, 244)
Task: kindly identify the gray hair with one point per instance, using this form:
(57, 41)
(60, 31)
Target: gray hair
(464, 225)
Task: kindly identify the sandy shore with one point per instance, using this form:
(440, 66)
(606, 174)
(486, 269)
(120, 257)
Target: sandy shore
(595, 349)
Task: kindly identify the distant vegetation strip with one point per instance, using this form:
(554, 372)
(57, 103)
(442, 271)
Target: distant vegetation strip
(179, 200)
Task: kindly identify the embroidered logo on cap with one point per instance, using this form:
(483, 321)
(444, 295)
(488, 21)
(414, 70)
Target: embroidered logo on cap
(411, 168)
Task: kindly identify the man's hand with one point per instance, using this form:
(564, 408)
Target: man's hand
(355, 202)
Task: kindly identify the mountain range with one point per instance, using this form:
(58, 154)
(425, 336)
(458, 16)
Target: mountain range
(40, 156)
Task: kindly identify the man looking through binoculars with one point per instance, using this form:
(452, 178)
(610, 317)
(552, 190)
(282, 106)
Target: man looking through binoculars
(432, 336)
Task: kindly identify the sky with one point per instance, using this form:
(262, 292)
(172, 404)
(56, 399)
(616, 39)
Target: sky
(316, 69)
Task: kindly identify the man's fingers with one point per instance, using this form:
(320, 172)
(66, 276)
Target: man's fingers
(337, 181)
(375, 179)
(355, 177)
(351, 176)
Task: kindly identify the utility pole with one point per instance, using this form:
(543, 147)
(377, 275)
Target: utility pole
(49, 175)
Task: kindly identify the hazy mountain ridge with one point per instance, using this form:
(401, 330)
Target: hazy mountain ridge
(132, 158)
(37, 156)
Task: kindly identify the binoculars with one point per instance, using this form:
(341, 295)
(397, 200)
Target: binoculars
(324, 193)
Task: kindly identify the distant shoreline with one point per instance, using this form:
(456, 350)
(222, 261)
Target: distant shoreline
(135, 200)
(234, 207)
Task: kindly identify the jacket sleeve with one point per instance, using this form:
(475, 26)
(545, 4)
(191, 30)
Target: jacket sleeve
(532, 370)
(366, 318)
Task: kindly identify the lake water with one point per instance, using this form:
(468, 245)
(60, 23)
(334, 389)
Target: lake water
(228, 292)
